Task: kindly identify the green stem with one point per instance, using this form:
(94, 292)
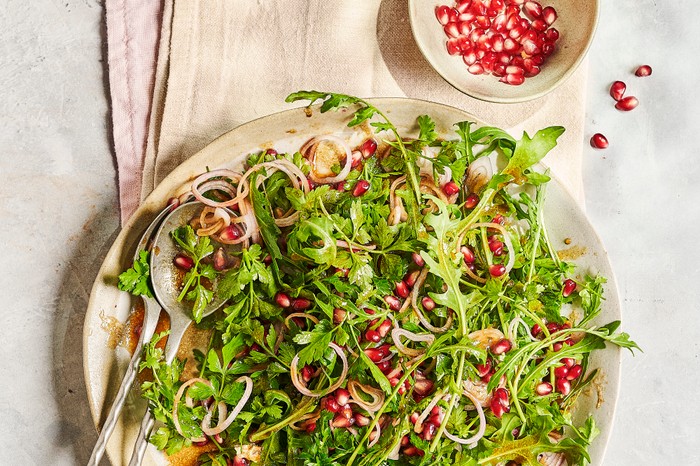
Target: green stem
(305, 406)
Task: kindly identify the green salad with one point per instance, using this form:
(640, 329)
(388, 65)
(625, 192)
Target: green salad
(389, 301)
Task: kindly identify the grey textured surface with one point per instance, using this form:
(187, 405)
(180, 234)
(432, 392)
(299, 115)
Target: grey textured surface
(59, 214)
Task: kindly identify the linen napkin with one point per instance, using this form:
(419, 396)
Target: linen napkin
(224, 62)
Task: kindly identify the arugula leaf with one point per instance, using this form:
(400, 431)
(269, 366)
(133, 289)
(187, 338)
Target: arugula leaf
(529, 151)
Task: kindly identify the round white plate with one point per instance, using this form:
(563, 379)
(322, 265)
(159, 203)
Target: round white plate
(286, 131)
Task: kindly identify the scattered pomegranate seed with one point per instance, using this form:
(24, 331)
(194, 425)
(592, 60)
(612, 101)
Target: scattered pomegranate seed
(429, 430)
(497, 270)
(183, 262)
(553, 327)
(533, 9)
(417, 259)
(483, 369)
(301, 304)
(536, 330)
(471, 201)
(497, 407)
(568, 362)
(368, 148)
(428, 303)
(384, 366)
(642, 71)
(437, 418)
(563, 386)
(499, 219)
(374, 354)
(568, 288)
(342, 396)
(599, 141)
(450, 188)
(617, 90)
(423, 386)
(373, 336)
(384, 328)
(561, 372)
(356, 159)
(340, 421)
(361, 420)
(331, 404)
(402, 289)
(270, 152)
(307, 373)
(411, 278)
(549, 15)
(544, 388)
(557, 346)
(230, 233)
(361, 188)
(496, 247)
(413, 451)
(310, 427)
(283, 300)
(468, 254)
(574, 372)
(414, 418)
(501, 346)
(393, 302)
(626, 104)
(442, 13)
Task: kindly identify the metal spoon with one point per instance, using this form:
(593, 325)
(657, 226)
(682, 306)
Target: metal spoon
(150, 319)
(165, 283)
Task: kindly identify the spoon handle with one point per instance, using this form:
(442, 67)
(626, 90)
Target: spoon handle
(150, 320)
(178, 326)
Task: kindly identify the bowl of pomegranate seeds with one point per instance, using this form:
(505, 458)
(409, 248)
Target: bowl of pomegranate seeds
(504, 50)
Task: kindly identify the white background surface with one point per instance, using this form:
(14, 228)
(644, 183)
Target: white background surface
(59, 214)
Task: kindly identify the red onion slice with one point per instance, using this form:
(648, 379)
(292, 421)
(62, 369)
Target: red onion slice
(418, 427)
(294, 375)
(354, 387)
(398, 332)
(471, 441)
(416, 310)
(223, 424)
(176, 404)
(309, 151)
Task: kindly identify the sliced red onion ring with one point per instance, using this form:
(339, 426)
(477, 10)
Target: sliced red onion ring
(176, 404)
(471, 441)
(299, 314)
(204, 183)
(377, 395)
(416, 310)
(309, 151)
(513, 329)
(418, 427)
(294, 375)
(224, 423)
(398, 332)
(378, 428)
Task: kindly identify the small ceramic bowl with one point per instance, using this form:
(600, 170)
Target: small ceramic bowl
(576, 23)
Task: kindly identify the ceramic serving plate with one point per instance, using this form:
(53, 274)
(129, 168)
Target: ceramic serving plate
(108, 307)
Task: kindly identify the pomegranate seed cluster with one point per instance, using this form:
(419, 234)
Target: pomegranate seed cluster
(510, 39)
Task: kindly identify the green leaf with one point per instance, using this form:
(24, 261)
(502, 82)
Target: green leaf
(136, 279)
(316, 342)
(530, 151)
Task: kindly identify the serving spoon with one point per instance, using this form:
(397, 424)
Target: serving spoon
(164, 276)
(148, 327)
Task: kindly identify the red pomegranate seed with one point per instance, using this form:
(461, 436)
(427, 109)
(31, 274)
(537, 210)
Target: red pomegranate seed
(338, 315)
(414, 418)
(563, 386)
(539, 25)
(568, 288)
(424, 386)
(552, 34)
(356, 159)
(340, 421)
(471, 201)
(544, 388)
(183, 262)
(483, 369)
(331, 404)
(549, 15)
(310, 427)
(307, 373)
(428, 303)
(642, 71)
(342, 396)
(561, 372)
(417, 259)
(361, 188)
(437, 418)
(497, 270)
(627, 104)
(402, 289)
(383, 330)
(373, 336)
(413, 451)
(568, 362)
(463, 6)
(301, 304)
(283, 300)
(536, 330)
(453, 47)
(617, 90)
(514, 70)
(501, 346)
(368, 148)
(450, 188)
(496, 247)
(557, 346)
(574, 372)
(497, 407)
(374, 354)
(361, 420)
(411, 278)
(442, 13)
(393, 302)
(476, 69)
(533, 9)
(429, 430)
(452, 29)
(599, 141)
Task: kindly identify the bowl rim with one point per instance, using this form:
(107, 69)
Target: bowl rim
(516, 99)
